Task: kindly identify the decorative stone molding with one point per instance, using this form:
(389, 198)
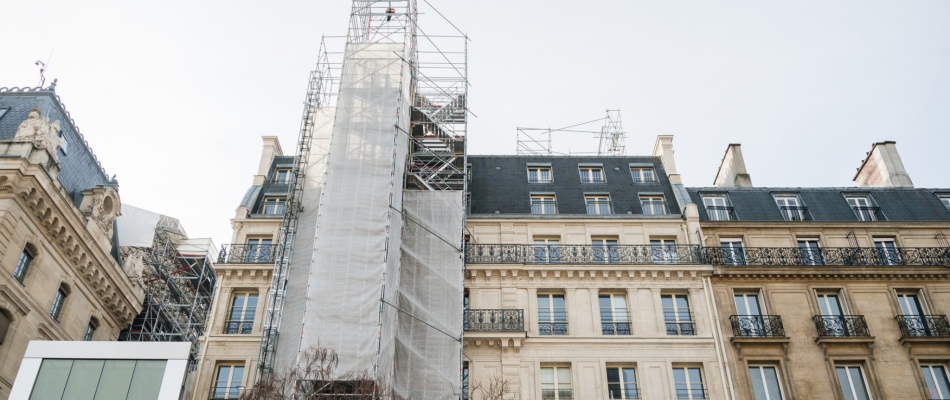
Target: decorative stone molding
(40, 132)
(20, 306)
(101, 206)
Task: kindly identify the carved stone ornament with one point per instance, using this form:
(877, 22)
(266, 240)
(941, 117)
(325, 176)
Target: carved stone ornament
(101, 206)
(39, 131)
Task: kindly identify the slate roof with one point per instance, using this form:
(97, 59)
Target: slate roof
(829, 204)
(500, 183)
(254, 198)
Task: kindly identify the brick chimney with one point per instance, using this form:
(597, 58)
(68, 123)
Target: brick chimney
(732, 172)
(883, 168)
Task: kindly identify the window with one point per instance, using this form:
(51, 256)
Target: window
(282, 176)
(227, 384)
(543, 205)
(258, 251)
(946, 201)
(863, 208)
(539, 175)
(90, 331)
(547, 251)
(465, 381)
(556, 383)
(605, 251)
(5, 322)
(937, 384)
(58, 301)
(614, 318)
(765, 383)
(910, 304)
(717, 208)
(241, 318)
(689, 383)
(622, 383)
(23, 265)
(274, 205)
(3, 111)
(852, 382)
(653, 205)
(732, 251)
(887, 252)
(65, 141)
(832, 314)
(552, 315)
(811, 253)
(791, 208)
(663, 251)
(592, 175)
(749, 316)
(676, 315)
(598, 204)
(98, 379)
(643, 175)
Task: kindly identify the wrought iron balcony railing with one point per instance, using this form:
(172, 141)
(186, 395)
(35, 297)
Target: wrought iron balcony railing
(692, 394)
(841, 326)
(609, 328)
(582, 254)
(555, 328)
(247, 253)
(795, 213)
(757, 326)
(923, 325)
(222, 391)
(494, 320)
(848, 256)
(865, 213)
(721, 213)
(544, 206)
(557, 394)
(238, 327)
(615, 392)
(680, 328)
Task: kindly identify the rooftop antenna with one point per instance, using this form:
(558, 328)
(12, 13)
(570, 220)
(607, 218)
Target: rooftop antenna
(612, 137)
(43, 66)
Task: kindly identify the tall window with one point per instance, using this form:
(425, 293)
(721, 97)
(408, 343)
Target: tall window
(556, 383)
(547, 251)
(614, 318)
(689, 383)
(23, 265)
(597, 204)
(604, 250)
(465, 381)
(282, 176)
(749, 315)
(258, 251)
(552, 315)
(663, 251)
(790, 207)
(717, 208)
(811, 253)
(228, 382)
(653, 205)
(937, 383)
(732, 251)
(887, 252)
(543, 205)
(676, 314)
(58, 301)
(592, 175)
(622, 383)
(539, 175)
(765, 383)
(643, 175)
(241, 318)
(853, 384)
(90, 331)
(274, 205)
(831, 314)
(862, 208)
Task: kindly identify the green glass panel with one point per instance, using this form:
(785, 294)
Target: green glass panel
(147, 380)
(51, 381)
(83, 380)
(115, 380)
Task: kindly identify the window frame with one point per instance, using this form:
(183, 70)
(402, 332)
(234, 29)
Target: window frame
(542, 198)
(91, 328)
(552, 312)
(255, 252)
(537, 169)
(243, 312)
(59, 301)
(778, 380)
(664, 251)
(599, 200)
(605, 249)
(547, 249)
(688, 383)
(864, 377)
(653, 198)
(677, 320)
(810, 255)
(230, 388)
(280, 202)
(27, 257)
(945, 200)
(636, 172)
(587, 172)
(732, 254)
(868, 215)
(287, 178)
(787, 214)
(888, 256)
(936, 391)
(621, 382)
(556, 383)
(616, 324)
(718, 213)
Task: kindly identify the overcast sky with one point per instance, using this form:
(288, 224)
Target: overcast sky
(174, 96)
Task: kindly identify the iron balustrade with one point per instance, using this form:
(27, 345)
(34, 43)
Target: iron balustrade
(494, 321)
(923, 325)
(582, 254)
(692, 394)
(721, 213)
(248, 253)
(847, 256)
(238, 327)
(628, 393)
(757, 326)
(841, 326)
(680, 328)
(598, 207)
(557, 394)
(795, 213)
(544, 206)
(225, 392)
(865, 213)
(555, 328)
(608, 328)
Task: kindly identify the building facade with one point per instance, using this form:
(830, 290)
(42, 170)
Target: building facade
(61, 275)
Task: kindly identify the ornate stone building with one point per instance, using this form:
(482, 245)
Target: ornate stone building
(61, 278)
(830, 293)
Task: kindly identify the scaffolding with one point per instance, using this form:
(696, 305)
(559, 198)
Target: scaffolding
(179, 280)
(611, 137)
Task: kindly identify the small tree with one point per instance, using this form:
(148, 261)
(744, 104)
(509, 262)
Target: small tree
(495, 388)
(313, 379)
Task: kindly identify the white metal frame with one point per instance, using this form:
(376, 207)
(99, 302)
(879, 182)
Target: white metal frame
(778, 380)
(850, 383)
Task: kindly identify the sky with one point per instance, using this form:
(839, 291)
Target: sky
(174, 96)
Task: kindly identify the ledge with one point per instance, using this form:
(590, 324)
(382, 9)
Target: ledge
(844, 339)
(924, 339)
(737, 343)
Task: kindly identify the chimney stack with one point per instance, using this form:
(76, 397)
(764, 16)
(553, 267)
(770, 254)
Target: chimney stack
(732, 172)
(664, 149)
(883, 168)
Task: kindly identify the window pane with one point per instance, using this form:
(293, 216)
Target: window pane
(679, 375)
(845, 383)
(758, 385)
(51, 380)
(563, 375)
(629, 375)
(547, 375)
(83, 380)
(860, 391)
(115, 380)
(771, 378)
(147, 379)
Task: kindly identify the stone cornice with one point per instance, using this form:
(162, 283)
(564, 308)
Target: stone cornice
(812, 225)
(619, 274)
(244, 273)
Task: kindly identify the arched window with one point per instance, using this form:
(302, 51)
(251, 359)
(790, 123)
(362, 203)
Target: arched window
(23, 264)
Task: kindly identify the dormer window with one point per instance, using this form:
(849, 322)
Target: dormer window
(643, 175)
(273, 205)
(543, 204)
(653, 205)
(592, 175)
(791, 208)
(282, 176)
(539, 175)
(718, 208)
(863, 208)
(3, 111)
(945, 199)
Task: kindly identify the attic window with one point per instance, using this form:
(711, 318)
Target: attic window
(3, 111)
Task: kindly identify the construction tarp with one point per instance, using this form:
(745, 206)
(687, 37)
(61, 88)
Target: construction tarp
(136, 226)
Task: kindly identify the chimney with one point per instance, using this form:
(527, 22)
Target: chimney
(271, 150)
(732, 172)
(883, 168)
(664, 149)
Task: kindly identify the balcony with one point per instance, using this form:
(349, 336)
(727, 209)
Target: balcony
(615, 392)
(247, 253)
(680, 328)
(846, 256)
(608, 328)
(599, 207)
(557, 394)
(692, 394)
(494, 321)
(238, 327)
(923, 326)
(841, 326)
(653, 207)
(721, 213)
(865, 213)
(582, 254)
(795, 213)
(757, 326)
(555, 328)
(543, 206)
